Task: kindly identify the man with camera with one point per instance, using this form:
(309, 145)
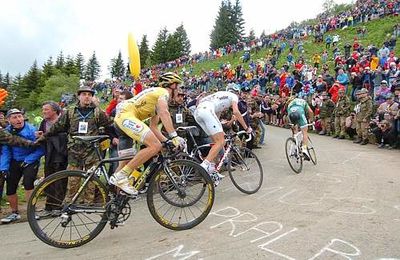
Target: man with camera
(384, 134)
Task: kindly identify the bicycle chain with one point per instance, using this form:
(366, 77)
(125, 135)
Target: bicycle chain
(118, 210)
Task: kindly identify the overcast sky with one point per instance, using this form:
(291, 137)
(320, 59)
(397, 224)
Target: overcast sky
(32, 30)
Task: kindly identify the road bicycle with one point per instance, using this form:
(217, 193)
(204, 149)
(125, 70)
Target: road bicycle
(90, 201)
(244, 167)
(294, 155)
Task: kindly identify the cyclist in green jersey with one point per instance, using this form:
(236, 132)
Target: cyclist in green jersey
(297, 109)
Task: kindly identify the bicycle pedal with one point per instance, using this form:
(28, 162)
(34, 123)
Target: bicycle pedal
(134, 196)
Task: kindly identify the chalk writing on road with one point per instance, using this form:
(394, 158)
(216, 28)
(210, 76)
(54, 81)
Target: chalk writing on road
(175, 253)
(269, 232)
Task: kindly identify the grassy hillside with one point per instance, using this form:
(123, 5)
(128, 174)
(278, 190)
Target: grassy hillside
(377, 32)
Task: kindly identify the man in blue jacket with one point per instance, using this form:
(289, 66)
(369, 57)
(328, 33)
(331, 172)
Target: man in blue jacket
(17, 161)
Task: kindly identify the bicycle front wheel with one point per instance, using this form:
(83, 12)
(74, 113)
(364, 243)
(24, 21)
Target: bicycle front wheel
(293, 155)
(311, 152)
(245, 170)
(180, 196)
(58, 218)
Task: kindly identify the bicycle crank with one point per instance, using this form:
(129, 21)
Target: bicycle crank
(118, 210)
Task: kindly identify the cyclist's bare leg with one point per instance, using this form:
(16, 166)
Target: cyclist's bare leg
(219, 142)
(120, 178)
(304, 130)
(153, 147)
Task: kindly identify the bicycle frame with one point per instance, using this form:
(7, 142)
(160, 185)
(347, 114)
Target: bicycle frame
(298, 137)
(227, 149)
(159, 161)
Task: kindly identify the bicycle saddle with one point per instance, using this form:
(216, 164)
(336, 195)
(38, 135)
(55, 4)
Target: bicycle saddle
(92, 138)
(192, 129)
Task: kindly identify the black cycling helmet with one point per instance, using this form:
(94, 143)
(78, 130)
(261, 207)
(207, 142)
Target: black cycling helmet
(294, 117)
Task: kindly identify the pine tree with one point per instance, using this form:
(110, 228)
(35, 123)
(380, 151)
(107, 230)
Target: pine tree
(80, 65)
(159, 52)
(33, 78)
(92, 68)
(224, 31)
(30, 88)
(238, 20)
(16, 84)
(48, 68)
(1, 80)
(173, 48)
(60, 62)
(252, 35)
(117, 67)
(69, 67)
(7, 81)
(128, 70)
(328, 5)
(263, 35)
(229, 25)
(183, 40)
(144, 51)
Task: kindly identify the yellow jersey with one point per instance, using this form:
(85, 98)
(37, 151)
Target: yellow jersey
(143, 105)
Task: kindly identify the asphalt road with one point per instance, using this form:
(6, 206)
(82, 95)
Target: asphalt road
(345, 207)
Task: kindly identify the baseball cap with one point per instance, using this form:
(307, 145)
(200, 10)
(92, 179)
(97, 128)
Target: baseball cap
(13, 111)
(85, 89)
(363, 91)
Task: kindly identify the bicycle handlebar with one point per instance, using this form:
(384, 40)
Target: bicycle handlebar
(311, 124)
(171, 149)
(242, 132)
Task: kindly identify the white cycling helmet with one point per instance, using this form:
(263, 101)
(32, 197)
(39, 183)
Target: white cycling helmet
(232, 87)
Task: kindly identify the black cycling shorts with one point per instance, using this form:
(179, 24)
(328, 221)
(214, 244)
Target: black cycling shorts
(15, 174)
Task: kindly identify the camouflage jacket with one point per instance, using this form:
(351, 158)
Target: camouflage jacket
(185, 117)
(364, 109)
(342, 106)
(326, 108)
(13, 140)
(80, 154)
(253, 107)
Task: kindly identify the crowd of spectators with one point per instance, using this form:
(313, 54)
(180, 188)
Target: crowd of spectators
(361, 11)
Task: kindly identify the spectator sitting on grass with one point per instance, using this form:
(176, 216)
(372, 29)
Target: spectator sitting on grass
(382, 92)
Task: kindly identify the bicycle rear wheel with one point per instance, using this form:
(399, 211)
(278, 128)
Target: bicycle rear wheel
(293, 155)
(245, 170)
(311, 152)
(182, 198)
(67, 224)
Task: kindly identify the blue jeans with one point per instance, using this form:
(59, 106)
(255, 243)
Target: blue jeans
(262, 126)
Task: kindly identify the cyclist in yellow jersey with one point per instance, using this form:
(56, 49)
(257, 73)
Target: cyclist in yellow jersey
(150, 104)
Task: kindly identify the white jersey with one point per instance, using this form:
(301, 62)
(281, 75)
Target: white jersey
(220, 100)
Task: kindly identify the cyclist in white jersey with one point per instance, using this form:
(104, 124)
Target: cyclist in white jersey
(207, 116)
